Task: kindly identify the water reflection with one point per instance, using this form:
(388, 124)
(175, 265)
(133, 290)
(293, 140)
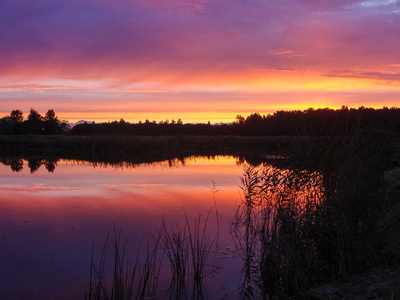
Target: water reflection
(16, 164)
(54, 209)
(49, 220)
(272, 227)
(34, 163)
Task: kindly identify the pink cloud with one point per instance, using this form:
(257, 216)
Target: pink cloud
(37, 188)
(192, 47)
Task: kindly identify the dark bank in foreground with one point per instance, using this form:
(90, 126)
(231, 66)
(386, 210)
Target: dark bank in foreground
(324, 227)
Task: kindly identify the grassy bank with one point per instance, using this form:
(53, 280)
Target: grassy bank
(333, 223)
(138, 148)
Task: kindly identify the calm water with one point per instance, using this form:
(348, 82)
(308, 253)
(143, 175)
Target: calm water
(49, 220)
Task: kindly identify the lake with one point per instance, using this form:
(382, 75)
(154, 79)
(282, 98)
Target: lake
(298, 223)
(53, 212)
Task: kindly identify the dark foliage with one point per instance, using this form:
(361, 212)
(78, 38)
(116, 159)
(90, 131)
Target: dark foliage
(319, 122)
(151, 129)
(135, 149)
(311, 122)
(14, 124)
(299, 229)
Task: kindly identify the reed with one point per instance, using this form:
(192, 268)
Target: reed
(129, 279)
(187, 248)
(299, 229)
(175, 245)
(269, 226)
(200, 245)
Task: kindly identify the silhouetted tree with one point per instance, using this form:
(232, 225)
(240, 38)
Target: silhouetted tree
(240, 119)
(310, 122)
(17, 119)
(34, 116)
(17, 116)
(6, 126)
(51, 122)
(35, 124)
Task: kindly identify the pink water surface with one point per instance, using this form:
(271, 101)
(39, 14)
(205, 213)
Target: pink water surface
(49, 220)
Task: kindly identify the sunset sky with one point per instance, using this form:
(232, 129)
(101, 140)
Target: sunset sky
(198, 60)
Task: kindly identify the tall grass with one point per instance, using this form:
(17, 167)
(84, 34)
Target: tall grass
(200, 244)
(129, 279)
(187, 248)
(271, 227)
(299, 229)
(176, 248)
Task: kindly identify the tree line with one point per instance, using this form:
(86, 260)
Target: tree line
(310, 122)
(48, 124)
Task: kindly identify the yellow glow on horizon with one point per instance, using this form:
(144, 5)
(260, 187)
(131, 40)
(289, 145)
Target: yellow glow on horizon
(205, 117)
(186, 117)
(278, 80)
(201, 99)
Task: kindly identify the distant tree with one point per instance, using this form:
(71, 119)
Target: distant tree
(53, 125)
(17, 116)
(310, 122)
(6, 125)
(50, 115)
(240, 119)
(254, 119)
(64, 126)
(34, 116)
(51, 122)
(34, 122)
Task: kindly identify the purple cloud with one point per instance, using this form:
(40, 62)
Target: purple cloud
(164, 45)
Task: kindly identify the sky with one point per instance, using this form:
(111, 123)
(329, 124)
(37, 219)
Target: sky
(197, 60)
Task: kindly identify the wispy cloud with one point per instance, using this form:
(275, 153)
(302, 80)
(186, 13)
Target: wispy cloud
(365, 75)
(376, 3)
(38, 87)
(283, 52)
(144, 52)
(133, 185)
(38, 188)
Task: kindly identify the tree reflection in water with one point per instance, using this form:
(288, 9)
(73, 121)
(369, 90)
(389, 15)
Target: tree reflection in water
(34, 163)
(17, 164)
